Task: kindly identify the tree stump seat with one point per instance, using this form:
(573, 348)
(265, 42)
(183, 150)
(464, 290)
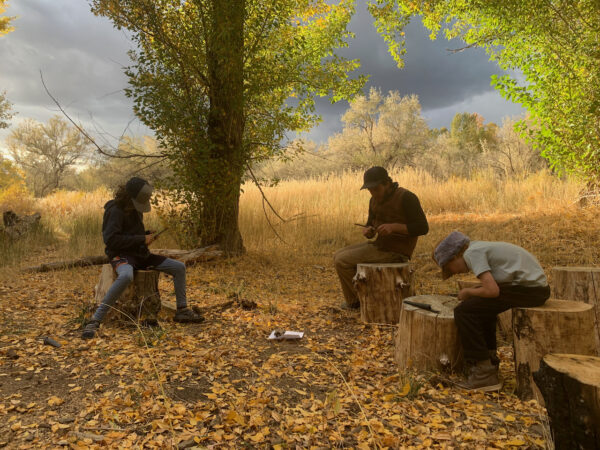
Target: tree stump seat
(571, 388)
(141, 299)
(428, 340)
(581, 284)
(558, 326)
(381, 288)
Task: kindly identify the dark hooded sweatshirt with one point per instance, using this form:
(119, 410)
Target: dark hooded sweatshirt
(125, 236)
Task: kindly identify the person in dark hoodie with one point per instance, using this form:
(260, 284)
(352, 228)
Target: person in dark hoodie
(127, 243)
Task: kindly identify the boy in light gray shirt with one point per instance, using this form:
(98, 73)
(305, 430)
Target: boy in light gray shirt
(510, 277)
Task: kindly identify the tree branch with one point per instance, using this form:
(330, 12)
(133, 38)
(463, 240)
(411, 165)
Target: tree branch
(87, 136)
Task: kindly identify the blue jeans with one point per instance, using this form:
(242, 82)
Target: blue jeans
(125, 277)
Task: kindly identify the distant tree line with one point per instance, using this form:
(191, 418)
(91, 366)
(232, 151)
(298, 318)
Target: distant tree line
(389, 130)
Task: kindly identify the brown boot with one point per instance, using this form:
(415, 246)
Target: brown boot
(483, 376)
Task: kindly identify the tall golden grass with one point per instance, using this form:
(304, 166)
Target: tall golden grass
(321, 212)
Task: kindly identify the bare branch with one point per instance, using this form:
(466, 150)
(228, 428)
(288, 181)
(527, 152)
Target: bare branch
(86, 134)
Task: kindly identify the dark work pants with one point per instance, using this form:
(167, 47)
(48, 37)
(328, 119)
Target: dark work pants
(475, 317)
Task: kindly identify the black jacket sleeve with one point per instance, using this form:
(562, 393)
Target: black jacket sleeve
(370, 218)
(416, 222)
(113, 234)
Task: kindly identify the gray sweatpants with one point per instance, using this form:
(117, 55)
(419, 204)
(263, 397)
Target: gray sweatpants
(125, 277)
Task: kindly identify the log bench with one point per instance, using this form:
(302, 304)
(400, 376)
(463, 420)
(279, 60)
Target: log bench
(380, 289)
(427, 340)
(558, 326)
(141, 299)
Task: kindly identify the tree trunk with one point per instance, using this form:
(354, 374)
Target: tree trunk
(140, 300)
(571, 388)
(381, 288)
(504, 323)
(225, 59)
(561, 326)
(427, 340)
(581, 284)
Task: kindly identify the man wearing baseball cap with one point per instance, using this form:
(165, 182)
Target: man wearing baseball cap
(127, 243)
(510, 277)
(395, 217)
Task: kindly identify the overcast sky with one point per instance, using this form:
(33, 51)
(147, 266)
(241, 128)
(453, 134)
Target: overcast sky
(82, 56)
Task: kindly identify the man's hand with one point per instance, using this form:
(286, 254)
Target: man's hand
(386, 229)
(150, 238)
(369, 232)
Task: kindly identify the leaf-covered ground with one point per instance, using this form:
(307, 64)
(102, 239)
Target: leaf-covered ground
(223, 384)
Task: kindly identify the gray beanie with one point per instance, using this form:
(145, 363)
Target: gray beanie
(448, 248)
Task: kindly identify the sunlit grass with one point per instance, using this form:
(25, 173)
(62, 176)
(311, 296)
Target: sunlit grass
(322, 213)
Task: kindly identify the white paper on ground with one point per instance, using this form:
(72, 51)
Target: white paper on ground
(287, 335)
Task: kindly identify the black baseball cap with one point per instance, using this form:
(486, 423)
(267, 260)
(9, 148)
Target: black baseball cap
(140, 192)
(374, 177)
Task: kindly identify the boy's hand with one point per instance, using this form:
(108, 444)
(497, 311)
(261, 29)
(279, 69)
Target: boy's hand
(150, 238)
(463, 294)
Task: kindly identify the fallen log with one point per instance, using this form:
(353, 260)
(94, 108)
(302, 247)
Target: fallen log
(189, 257)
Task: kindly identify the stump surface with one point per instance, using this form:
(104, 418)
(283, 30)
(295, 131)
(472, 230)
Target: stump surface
(141, 299)
(581, 284)
(427, 340)
(570, 385)
(381, 288)
(559, 326)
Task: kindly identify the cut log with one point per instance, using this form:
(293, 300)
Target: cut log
(381, 288)
(559, 326)
(581, 284)
(427, 340)
(504, 322)
(189, 257)
(141, 299)
(570, 385)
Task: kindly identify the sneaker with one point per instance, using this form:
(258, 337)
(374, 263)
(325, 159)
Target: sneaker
(483, 377)
(89, 331)
(186, 315)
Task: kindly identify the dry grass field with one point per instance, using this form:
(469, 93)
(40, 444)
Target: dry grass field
(221, 384)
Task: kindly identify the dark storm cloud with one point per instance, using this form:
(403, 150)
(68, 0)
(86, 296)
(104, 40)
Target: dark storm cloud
(82, 58)
(445, 82)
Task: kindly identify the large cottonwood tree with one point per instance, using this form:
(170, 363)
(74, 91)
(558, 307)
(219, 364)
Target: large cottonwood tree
(213, 79)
